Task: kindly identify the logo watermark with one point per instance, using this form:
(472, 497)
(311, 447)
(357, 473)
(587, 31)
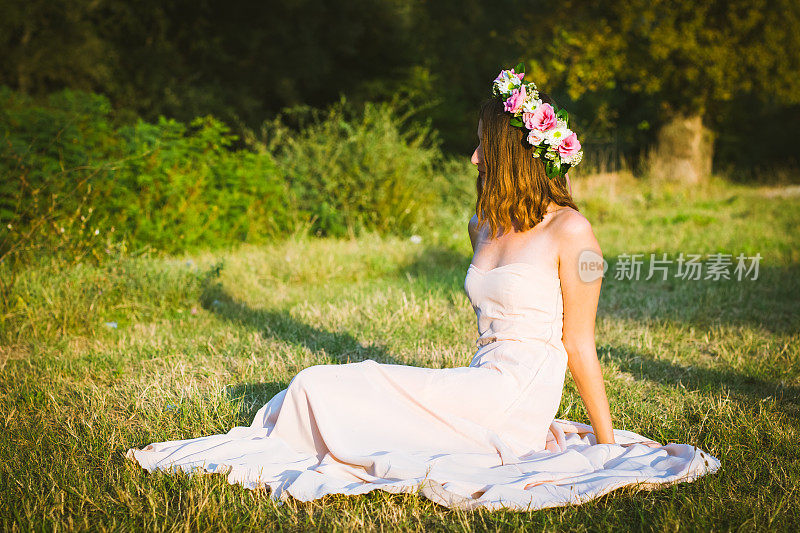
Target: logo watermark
(591, 266)
(636, 267)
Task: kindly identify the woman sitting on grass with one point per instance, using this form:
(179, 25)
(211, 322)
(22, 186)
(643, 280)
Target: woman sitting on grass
(483, 435)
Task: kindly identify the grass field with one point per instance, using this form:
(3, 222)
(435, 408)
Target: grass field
(97, 359)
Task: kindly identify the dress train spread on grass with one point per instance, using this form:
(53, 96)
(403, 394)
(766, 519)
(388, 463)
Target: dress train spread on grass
(477, 436)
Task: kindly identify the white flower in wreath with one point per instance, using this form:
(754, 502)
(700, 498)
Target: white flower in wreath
(554, 136)
(506, 82)
(574, 160)
(508, 85)
(530, 104)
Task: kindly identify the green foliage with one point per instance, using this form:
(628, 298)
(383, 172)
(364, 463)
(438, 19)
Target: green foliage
(52, 155)
(235, 60)
(49, 45)
(78, 186)
(74, 176)
(688, 56)
(183, 187)
(627, 66)
(80, 182)
(620, 68)
(353, 170)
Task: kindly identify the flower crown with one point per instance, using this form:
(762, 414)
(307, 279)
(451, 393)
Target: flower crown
(548, 130)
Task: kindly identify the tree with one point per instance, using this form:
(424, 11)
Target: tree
(237, 59)
(686, 58)
(48, 45)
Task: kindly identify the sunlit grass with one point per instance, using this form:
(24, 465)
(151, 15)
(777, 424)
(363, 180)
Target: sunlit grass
(201, 342)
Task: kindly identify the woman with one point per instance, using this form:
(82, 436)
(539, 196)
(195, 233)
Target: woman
(482, 435)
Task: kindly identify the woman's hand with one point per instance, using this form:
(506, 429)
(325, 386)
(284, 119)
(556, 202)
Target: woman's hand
(580, 258)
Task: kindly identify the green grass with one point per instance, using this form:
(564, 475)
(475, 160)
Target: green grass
(202, 342)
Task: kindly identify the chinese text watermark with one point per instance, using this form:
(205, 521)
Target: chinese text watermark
(635, 267)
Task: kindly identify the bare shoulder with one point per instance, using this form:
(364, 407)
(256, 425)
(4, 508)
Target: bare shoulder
(573, 231)
(569, 222)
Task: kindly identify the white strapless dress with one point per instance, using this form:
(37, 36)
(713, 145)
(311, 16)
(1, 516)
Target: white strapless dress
(477, 436)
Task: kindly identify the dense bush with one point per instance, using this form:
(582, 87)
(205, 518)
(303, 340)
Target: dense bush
(72, 176)
(182, 187)
(356, 169)
(77, 180)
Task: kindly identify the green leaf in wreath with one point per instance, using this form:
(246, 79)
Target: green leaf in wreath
(553, 168)
(516, 122)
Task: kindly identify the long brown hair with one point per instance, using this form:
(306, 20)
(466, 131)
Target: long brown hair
(515, 190)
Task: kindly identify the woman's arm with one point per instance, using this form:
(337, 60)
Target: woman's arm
(581, 290)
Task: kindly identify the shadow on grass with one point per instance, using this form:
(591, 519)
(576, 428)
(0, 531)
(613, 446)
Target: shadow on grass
(700, 378)
(279, 324)
(253, 396)
(437, 268)
(770, 302)
(341, 347)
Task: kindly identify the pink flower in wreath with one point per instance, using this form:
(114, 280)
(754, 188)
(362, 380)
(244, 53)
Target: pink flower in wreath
(543, 119)
(527, 118)
(535, 137)
(515, 101)
(569, 146)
